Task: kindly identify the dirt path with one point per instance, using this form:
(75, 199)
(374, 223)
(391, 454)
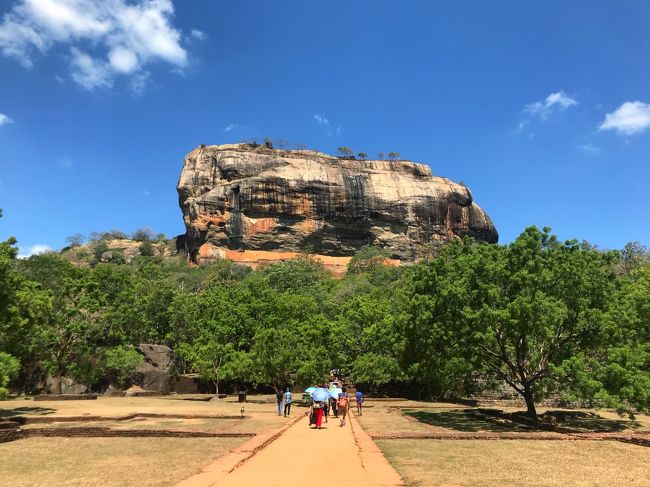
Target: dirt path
(325, 455)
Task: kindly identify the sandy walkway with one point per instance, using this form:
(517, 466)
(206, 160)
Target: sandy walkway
(305, 453)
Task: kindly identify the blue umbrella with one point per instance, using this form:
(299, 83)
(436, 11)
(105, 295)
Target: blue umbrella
(309, 390)
(320, 394)
(334, 392)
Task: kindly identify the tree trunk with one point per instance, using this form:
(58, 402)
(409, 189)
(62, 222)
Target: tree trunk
(58, 379)
(531, 412)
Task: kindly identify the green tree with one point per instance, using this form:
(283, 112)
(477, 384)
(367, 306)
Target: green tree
(24, 306)
(514, 312)
(362, 155)
(75, 240)
(146, 249)
(143, 234)
(121, 363)
(367, 258)
(9, 367)
(345, 151)
(66, 341)
(617, 375)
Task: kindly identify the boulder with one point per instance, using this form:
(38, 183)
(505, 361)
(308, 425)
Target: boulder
(68, 386)
(153, 374)
(159, 356)
(255, 205)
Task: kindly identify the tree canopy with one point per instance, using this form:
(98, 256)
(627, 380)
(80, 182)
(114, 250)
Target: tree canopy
(554, 319)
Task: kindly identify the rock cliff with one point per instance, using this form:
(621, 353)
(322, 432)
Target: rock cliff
(255, 204)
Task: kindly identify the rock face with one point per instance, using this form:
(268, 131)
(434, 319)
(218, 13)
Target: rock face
(255, 204)
(153, 373)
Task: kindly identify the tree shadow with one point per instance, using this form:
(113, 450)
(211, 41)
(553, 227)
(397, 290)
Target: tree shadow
(7, 413)
(590, 422)
(468, 420)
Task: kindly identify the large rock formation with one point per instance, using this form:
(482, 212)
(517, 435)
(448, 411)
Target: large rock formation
(254, 204)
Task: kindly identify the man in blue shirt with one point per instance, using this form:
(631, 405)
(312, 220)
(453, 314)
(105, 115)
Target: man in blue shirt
(287, 403)
(359, 403)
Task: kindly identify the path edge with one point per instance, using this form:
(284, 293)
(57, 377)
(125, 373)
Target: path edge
(222, 466)
(373, 460)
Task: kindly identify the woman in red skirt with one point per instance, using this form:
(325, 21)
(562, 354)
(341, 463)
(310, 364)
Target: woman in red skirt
(317, 407)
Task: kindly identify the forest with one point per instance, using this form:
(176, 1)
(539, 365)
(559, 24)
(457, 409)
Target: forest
(548, 318)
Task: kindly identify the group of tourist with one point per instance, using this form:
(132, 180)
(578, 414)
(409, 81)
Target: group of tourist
(319, 410)
(284, 398)
(338, 406)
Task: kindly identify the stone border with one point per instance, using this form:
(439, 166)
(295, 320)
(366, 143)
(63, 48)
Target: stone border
(100, 432)
(126, 417)
(222, 466)
(65, 397)
(639, 439)
(381, 472)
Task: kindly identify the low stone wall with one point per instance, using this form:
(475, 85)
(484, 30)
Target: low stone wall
(65, 397)
(98, 431)
(126, 417)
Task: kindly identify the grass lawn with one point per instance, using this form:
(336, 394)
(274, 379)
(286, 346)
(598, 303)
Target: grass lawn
(522, 463)
(107, 461)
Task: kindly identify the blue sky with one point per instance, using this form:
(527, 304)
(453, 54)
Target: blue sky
(541, 108)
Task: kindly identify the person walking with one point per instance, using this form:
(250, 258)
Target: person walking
(287, 403)
(326, 405)
(279, 397)
(343, 400)
(334, 406)
(317, 407)
(359, 403)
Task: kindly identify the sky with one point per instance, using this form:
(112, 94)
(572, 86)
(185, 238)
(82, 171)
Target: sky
(541, 108)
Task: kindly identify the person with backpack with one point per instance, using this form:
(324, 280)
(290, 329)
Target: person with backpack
(279, 397)
(343, 400)
(287, 403)
(359, 403)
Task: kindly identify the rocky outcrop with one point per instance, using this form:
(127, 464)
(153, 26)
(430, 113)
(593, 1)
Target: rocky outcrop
(153, 373)
(255, 204)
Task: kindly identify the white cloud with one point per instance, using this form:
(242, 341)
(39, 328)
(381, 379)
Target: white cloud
(229, 127)
(4, 119)
(321, 120)
(324, 122)
(591, 149)
(555, 102)
(199, 34)
(123, 60)
(89, 72)
(124, 36)
(630, 118)
(34, 250)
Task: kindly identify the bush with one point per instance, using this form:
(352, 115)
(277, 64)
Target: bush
(121, 364)
(146, 249)
(9, 367)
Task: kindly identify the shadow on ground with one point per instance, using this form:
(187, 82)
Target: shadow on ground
(472, 420)
(469, 420)
(591, 422)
